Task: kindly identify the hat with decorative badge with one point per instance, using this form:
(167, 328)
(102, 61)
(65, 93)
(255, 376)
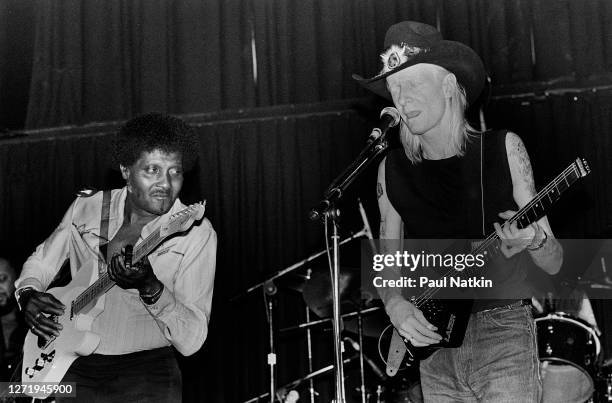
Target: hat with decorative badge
(408, 43)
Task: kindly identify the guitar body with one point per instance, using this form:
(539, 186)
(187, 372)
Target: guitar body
(50, 362)
(449, 316)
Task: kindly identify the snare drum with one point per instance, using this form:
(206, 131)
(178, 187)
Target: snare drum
(568, 348)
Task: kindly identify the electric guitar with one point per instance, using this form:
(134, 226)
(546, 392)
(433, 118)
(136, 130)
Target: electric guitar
(451, 316)
(49, 360)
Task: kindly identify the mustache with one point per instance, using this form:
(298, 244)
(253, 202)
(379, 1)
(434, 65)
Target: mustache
(160, 193)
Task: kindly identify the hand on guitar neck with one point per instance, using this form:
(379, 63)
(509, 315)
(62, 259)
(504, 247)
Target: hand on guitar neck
(40, 309)
(139, 276)
(515, 239)
(410, 322)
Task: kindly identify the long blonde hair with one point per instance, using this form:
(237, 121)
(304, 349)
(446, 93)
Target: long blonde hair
(458, 126)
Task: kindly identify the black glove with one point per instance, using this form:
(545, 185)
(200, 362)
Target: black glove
(127, 275)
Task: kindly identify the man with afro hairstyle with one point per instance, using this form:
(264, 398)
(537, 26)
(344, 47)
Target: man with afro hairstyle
(163, 301)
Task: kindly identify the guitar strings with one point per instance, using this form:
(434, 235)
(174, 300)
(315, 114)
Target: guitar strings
(426, 295)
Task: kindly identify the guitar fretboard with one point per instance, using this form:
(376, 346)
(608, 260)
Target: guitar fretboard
(536, 208)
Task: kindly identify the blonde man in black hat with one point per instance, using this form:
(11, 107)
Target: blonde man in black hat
(449, 181)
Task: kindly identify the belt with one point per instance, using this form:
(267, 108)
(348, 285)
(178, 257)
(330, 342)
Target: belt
(482, 306)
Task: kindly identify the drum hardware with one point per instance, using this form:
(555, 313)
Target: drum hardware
(298, 265)
(311, 389)
(269, 289)
(285, 389)
(345, 316)
(379, 392)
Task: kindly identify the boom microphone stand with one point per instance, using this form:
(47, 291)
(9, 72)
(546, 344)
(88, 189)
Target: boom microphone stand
(326, 208)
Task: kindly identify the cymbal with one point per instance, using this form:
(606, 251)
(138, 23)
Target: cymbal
(372, 325)
(318, 296)
(317, 291)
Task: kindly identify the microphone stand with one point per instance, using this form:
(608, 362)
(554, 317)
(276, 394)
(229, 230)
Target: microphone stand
(326, 208)
(269, 294)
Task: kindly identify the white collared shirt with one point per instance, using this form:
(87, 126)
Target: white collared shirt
(185, 264)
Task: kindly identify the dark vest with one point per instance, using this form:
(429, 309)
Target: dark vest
(446, 199)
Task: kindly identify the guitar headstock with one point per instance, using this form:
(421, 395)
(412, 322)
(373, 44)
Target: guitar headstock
(583, 167)
(183, 220)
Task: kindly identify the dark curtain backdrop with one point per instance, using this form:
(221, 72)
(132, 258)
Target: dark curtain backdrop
(104, 60)
(16, 48)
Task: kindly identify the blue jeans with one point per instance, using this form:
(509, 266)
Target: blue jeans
(151, 376)
(498, 361)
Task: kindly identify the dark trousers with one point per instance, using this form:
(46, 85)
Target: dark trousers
(146, 376)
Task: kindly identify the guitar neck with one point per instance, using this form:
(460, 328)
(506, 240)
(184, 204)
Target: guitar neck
(104, 282)
(537, 207)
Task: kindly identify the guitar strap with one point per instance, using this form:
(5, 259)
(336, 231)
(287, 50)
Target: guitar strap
(397, 351)
(104, 241)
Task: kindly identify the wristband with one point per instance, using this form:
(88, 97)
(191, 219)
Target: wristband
(530, 247)
(150, 299)
(20, 292)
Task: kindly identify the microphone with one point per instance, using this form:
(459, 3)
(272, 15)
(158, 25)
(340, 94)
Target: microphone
(389, 117)
(377, 144)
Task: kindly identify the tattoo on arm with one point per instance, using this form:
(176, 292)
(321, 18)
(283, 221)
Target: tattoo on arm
(520, 154)
(379, 190)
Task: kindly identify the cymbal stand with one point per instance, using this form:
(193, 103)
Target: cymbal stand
(333, 215)
(361, 367)
(269, 293)
(298, 265)
(309, 347)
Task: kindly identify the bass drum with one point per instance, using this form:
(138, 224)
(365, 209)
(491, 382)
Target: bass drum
(568, 349)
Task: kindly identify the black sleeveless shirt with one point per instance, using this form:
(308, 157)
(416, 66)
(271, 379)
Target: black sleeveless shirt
(459, 198)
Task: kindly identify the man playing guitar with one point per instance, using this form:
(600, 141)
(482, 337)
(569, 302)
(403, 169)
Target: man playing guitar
(163, 300)
(431, 187)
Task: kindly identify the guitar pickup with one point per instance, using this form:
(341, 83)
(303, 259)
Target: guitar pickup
(449, 327)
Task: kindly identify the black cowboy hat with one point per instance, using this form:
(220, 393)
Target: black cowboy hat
(408, 43)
